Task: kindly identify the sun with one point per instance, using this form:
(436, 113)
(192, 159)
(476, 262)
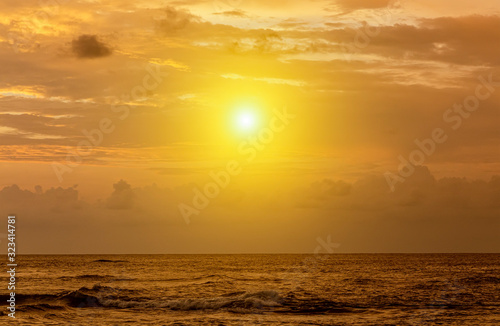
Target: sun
(246, 119)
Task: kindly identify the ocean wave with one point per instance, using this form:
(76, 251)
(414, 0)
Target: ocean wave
(86, 276)
(92, 297)
(481, 279)
(30, 298)
(216, 278)
(314, 305)
(94, 277)
(190, 279)
(245, 300)
(361, 280)
(109, 297)
(40, 307)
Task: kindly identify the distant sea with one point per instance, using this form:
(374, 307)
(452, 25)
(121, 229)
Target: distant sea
(336, 289)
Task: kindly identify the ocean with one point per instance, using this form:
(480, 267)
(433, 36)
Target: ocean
(248, 289)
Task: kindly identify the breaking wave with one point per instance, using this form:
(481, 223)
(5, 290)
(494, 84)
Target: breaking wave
(93, 277)
(109, 297)
(103, 296)
(246, 300)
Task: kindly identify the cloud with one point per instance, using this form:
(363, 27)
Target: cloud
(88, 46)
(422, 189)
(362, 4)
(122, 198)
(424, 214)
(324, 191)
(53, 200)
(175, 20)
(261, 42)
(466, 40)
(345, 7)
(233, 13)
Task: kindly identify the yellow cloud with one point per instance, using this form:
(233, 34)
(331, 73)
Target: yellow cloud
(268, 80)
(21, 91)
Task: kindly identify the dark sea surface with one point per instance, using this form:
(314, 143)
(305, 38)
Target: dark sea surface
(336, 289)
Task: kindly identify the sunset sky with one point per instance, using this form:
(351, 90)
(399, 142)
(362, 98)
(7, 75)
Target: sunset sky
(115, 115)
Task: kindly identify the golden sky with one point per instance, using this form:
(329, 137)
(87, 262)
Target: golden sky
(114, 113)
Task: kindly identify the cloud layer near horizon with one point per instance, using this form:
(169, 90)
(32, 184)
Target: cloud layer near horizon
(422, 215)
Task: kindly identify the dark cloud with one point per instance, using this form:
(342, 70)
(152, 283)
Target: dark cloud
(424, 213)
(234, 13)
(123, 196)
(468, 40)
(175, 20)
(266, 41)
(362, 4)
(349, 6)
(325, 190)
(46, 202)
(421, 189)
(263, 42)
(88, 46)
(369, 193)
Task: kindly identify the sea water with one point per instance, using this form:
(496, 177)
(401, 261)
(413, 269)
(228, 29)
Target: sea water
(280, 289)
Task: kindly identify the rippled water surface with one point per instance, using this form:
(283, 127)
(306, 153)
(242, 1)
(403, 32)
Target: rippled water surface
(427, 289)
